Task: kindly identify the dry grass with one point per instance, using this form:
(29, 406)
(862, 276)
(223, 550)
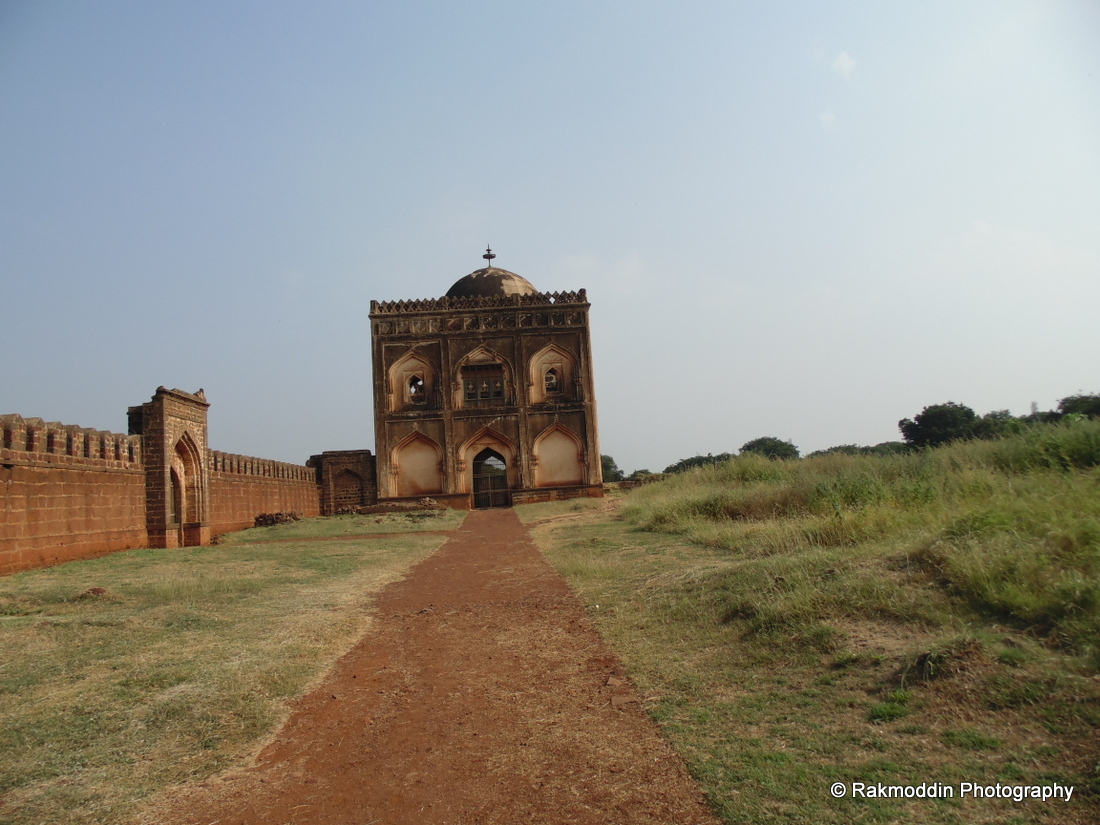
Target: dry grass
(126, 674)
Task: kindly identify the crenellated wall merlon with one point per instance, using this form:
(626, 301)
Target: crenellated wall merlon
(247, 465)
(479, 302)
(34, 442)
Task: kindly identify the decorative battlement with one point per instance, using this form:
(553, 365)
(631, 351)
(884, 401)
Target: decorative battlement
(32, 440)
(478, 302)
(259, 467)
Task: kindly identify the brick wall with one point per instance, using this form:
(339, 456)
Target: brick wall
(346, 478)
(242, 487)
(67, 493)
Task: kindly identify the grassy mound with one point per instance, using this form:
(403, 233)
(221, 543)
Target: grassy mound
(1010, 528)
(929, 617)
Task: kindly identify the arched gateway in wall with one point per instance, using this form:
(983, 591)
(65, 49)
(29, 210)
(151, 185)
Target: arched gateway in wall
(484, 397)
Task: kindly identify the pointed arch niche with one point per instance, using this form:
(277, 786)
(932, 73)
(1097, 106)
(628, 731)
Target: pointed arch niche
(347, 489)
(185, 487)
(487, 439)
(559, 458)
(551, 375)
(412, 383)
(417, 462)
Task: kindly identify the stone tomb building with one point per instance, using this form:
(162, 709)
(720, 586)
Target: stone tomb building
(484, 398)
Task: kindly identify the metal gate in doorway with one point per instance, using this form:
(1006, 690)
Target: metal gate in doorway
(490, 480)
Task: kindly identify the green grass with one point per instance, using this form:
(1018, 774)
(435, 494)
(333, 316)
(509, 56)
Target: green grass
(1010, 527)
(905, 619)
(125, 674)
(351, 525)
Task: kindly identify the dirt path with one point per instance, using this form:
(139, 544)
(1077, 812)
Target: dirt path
(482, 694)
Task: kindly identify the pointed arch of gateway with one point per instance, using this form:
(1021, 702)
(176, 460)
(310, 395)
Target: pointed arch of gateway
(490, 480)
(559, 458)
(487, 438)
(417, 466)
(186, 489)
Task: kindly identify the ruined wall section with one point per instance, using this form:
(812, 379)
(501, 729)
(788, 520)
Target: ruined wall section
(242, 487)
(347, 480)
(67, 492)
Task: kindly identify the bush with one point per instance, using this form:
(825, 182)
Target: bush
(268, 519)
(938, 424)
(771, 447)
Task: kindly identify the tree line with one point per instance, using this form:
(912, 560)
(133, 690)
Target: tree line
(934, 426)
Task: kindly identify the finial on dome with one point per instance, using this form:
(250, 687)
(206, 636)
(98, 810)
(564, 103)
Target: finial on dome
(488, 255)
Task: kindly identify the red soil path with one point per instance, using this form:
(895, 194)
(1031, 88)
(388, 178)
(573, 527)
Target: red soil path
(482, 694)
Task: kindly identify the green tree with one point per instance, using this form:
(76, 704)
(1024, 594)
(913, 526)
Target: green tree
(997, 424)
(771, 447)
(938, 424)
(611, 471)
(846, 449)
(697, 461)
(1081, 405)
(885, 448)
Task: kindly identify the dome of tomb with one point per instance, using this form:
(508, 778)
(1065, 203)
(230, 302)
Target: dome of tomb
(491, 282)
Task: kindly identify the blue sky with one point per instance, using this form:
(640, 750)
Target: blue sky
(805, 220)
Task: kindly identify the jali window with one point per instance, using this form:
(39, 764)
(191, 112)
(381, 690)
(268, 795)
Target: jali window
(483, 385)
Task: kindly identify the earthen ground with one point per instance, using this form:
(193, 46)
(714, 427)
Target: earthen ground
(482, 694)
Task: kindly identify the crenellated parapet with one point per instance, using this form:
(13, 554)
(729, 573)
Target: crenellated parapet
(246, 465)
(69, 492)
(478, 302)
(34, 442)
(480, 314)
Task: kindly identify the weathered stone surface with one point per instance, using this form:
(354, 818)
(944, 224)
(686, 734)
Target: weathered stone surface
(495, 374)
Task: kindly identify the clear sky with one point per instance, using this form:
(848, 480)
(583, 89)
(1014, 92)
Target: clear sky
(802, 219)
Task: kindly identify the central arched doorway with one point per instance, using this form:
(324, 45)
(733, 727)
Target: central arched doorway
(490, 480)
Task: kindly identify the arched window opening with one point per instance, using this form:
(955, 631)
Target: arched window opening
(417, 390)
(175, 498)
(552, 382)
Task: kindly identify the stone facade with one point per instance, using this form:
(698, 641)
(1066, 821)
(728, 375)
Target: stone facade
(177, 468)
(485, 397)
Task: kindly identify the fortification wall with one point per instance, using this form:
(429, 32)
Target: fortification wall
(67, 492)
(242, 487)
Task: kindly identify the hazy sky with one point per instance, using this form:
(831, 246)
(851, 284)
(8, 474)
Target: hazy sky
(805, 220)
